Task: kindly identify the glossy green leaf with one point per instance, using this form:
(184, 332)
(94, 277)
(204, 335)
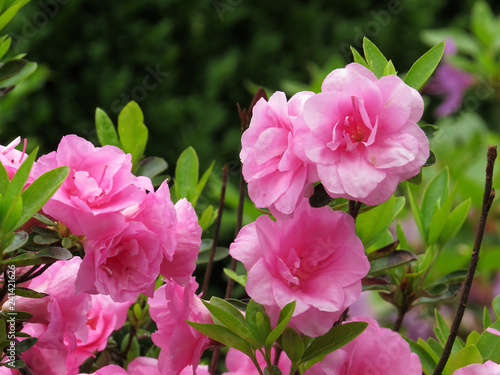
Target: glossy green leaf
(417, 179)
(375, 59)
(334, 339)
(472, 338)
(207, 217)
(201, 184)
(423, 68)
(151, 167)
(4, 47)
(48, 255)
(435, 194)
(223, 335)
(429, 130)
(28, 70)
(440, 216)
(186, 174)
(29, 293)
(132, 132)
(14, 212)
(292, 344)
(428, 363)
(106, 132)
(45, 220)
(389, 69)
(25, 344)
(240, 305)
(482, 22)
(441, 329)
(395, 259)
(10, 12)
(417, 213)
(258, 321)
(486, 318)
(464, 357)
(384, 251)
(11, 68)
(358, 58)
(424, 345)
(431, 160)
(240, 279)
(496, 307)
(4, 179)
(40, 191)
(403, 243)
(370, 224)
(454, 221)
(488, 344)
(19, 239)
(285, 316)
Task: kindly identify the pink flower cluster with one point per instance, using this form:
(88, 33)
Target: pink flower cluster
(359, 137)
(315, 259)
(132, 233)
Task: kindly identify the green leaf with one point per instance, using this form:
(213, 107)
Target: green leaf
(358, 58)
(429, 130)
(240, 305)
(258, 321)
(334, 339)
(223, 335)
(240, 279)
(442, 331)
(292, 344)
(106, 132)
(204, 254)
(417, 214)
(26, 344)
(201, 184)
(45, 220)
(435, 356)
(472, 338)
(375, 59)
(435, 194)
(403, 243)
(389, 69)
(423, 68)
(4, 47)
(384, 251)
(11, 68)
(440, 217)
(428, 363)
(40, 191)
(28, 70)
(20, 238)
(19, 315)
(186, 174)
(416, 180)
(486, 318)
(8, 14)
(370, 224)
(431, 160)
(395, 259)
(29, 293)
(151, 167)
(225, 314)
(48, 255)
(132, 131)
(496, 307)
(16, 364)
(207, 217)
(483, 22)
(464, 357)
(285, 316)
(4, 179)
(455, 221)
(488, 344)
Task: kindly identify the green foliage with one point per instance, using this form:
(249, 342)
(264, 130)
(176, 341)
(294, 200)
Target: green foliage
(423, 68)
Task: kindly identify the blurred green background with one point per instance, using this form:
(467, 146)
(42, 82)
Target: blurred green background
(205, 56)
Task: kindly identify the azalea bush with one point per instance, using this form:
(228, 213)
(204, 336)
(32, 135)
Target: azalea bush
(100, 247)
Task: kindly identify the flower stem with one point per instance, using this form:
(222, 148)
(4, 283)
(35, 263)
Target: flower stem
(489, 195)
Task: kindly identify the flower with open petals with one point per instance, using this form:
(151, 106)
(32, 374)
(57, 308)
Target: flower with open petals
(315, 259)
(364, 138)
(376, 351)
(181, 345)
(487, 368)
(272, 154)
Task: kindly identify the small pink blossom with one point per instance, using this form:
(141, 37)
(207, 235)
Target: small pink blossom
(376, 351)
(364, 137)
(11, 158)
(487, 368)
(239, 363)
(315, 259)
(100, 181)
(180, 344)
(274, 163)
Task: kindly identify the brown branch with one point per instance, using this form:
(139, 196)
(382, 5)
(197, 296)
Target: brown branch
(354, 207)
(210, 264)
(489, 195)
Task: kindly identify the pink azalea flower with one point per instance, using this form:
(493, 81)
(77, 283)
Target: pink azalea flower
(239, 363)
(274, 163)
(143, 366)
(11, 158)
(103, 318)
(364, 137)
(181, 265)
(180, 344)
(376, 351)
(487, 368)
(124, 253)
(110, 370)
(100, 181)
(315, 259)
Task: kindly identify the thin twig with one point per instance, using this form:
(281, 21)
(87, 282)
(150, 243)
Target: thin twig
(354, 207)
(210, 264)
(489, 195)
